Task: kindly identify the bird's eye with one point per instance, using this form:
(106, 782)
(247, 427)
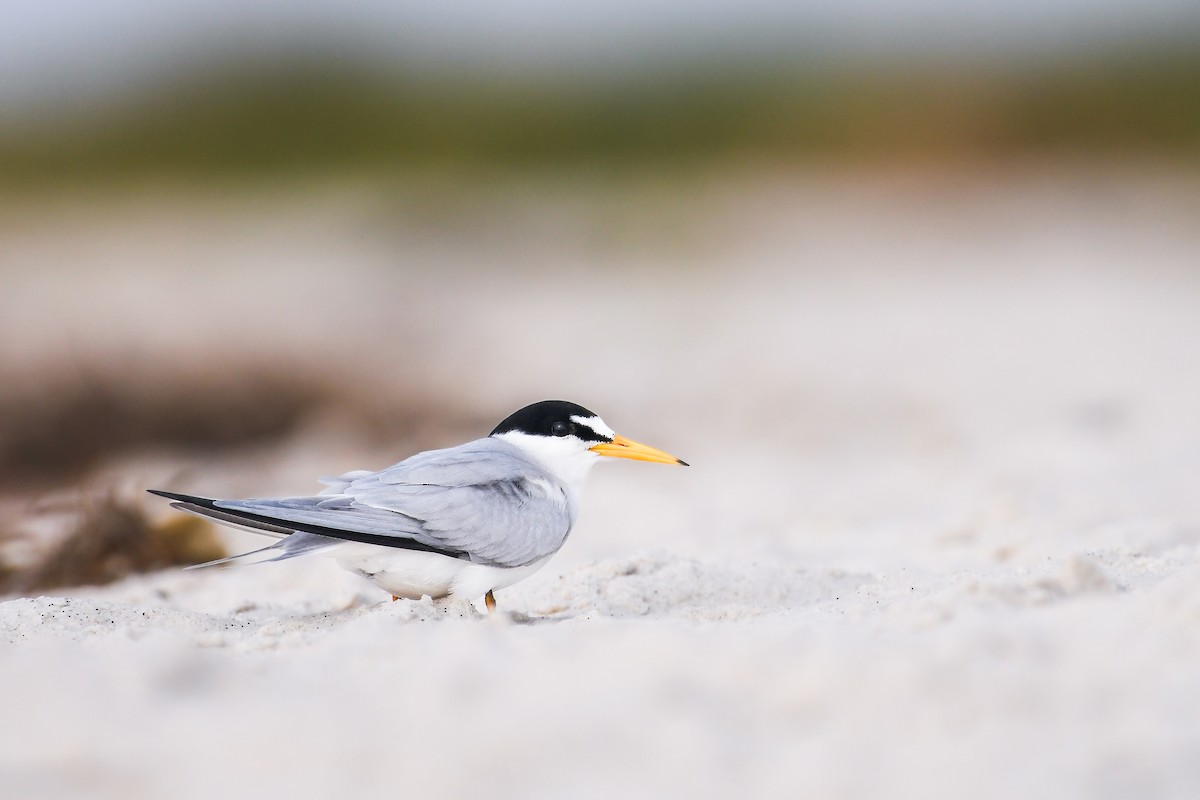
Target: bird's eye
(560, 429)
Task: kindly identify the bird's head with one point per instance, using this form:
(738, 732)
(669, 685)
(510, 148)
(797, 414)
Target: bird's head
(568, 439)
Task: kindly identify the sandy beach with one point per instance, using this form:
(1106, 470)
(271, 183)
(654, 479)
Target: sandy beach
(940, 538)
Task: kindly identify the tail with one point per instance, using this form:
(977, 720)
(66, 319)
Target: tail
(291, 542)
(238, 558)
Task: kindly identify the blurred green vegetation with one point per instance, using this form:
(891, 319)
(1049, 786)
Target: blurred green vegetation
(312, 116)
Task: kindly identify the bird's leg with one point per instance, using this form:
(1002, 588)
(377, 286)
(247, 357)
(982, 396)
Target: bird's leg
(489, 600)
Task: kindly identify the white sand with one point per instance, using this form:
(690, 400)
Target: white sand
(941, 538)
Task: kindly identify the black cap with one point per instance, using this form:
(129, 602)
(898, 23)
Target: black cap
(551, 418)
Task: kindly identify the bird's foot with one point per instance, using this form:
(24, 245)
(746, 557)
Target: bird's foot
(489, 600)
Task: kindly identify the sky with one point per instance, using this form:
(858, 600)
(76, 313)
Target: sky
(70, 48)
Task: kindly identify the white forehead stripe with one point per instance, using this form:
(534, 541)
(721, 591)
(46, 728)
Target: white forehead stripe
(596, 424)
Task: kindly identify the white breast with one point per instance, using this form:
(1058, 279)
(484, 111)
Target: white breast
(413, 574)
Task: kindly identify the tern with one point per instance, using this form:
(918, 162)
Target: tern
(463, 521)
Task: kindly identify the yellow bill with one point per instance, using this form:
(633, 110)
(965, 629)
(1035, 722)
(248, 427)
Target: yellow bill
(620, 447)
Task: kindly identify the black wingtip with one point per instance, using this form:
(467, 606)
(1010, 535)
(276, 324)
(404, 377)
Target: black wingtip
(203, 502)
(682, 463)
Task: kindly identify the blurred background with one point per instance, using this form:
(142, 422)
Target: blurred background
(914, 286)
(248, 243)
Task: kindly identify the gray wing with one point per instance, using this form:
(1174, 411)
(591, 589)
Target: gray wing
(483, 501)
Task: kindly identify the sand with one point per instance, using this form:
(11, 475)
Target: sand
(941, 537)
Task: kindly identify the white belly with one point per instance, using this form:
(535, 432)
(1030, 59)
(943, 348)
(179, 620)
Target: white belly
(413, 574)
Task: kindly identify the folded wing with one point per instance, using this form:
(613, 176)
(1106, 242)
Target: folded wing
(483, 501)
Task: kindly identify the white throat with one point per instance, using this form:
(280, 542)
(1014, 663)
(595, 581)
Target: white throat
(565, 457)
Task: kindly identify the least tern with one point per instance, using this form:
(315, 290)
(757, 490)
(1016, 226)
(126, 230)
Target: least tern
(465, 521)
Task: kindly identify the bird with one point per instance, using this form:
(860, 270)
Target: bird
(463, 521)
